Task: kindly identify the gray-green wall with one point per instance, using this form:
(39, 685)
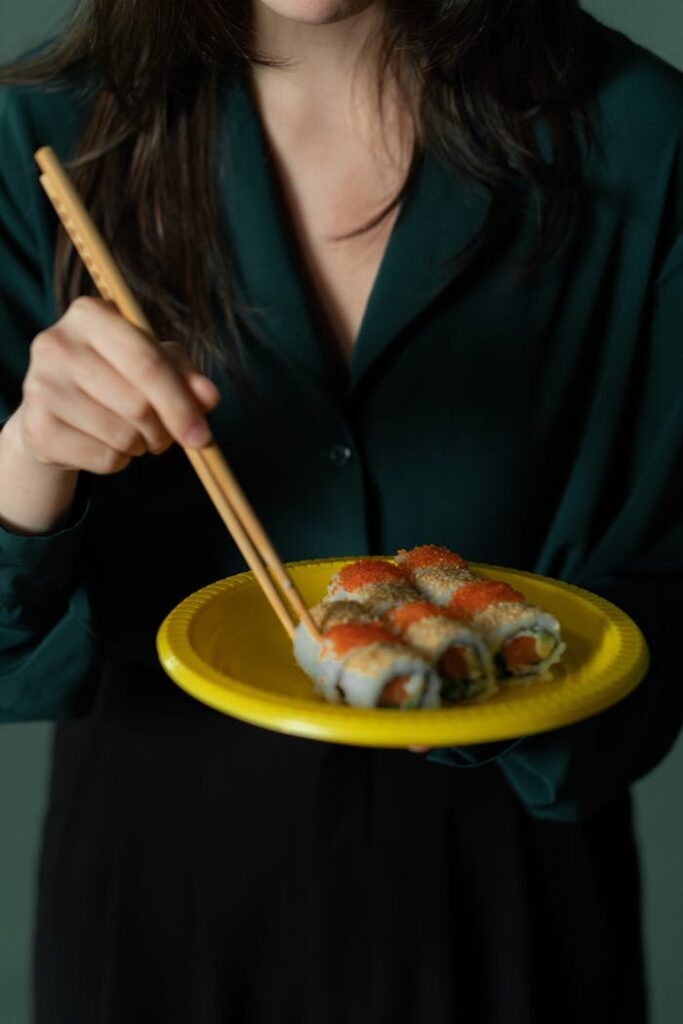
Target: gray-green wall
(657, 24)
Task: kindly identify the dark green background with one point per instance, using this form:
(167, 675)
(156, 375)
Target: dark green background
(657, 24)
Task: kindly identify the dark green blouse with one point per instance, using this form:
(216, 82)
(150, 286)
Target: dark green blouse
(535, 425)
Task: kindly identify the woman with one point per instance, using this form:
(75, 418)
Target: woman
(422, 266)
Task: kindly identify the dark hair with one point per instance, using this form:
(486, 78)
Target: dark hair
(475, 74)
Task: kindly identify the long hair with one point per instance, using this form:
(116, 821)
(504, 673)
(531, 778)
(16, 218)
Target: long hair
(475, 75)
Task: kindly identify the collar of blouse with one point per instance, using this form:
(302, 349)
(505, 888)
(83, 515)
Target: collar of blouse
(439, 215)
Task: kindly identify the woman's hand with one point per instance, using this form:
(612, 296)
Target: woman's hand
(98, 393)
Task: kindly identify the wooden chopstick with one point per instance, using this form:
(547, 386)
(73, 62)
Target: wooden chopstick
(208, 462)
(249, 553)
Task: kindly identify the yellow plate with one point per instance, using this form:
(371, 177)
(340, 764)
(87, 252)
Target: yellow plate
(224, 646)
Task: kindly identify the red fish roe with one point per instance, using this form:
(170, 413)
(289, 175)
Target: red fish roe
(413, 611)
(350, 635)
(367, 570)
(429, 556)
(475, 596)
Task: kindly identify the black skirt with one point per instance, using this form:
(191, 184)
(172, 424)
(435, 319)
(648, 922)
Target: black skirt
(198, 870)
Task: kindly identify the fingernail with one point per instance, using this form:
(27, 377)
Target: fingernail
(198, 436)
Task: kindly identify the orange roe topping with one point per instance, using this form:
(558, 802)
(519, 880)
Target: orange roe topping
(367, 570)
(480, 594)
(521, 651)
(350, 635)
(413, 611)
(429, 556)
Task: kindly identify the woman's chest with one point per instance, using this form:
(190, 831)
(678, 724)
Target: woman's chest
(328, 193)
(342, 274)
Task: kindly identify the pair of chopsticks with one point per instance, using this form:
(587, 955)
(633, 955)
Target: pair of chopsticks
(208, 462)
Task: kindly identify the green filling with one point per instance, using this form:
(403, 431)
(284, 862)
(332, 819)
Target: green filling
(455, 689)
(545, 644)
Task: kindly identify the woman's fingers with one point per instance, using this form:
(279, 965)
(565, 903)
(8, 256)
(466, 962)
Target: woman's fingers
(145, 365)
(63, 372)
(419, 750)
(58, 444)
(99, 392)
(203, 388)
(95, 420)
(98, 379)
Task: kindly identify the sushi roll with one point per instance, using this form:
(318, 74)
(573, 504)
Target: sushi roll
(365, 665)
(307, 651)
(435, 571)
(524, 640)
(458, 652)
(423, 632)
(376, 584)
(323, 669)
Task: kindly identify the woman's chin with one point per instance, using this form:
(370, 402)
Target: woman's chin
(316, 12)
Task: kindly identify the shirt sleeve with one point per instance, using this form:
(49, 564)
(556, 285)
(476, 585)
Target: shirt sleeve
(638, 565)
(48, 646)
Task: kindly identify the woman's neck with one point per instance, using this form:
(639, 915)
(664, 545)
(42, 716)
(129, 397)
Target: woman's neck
(326, 78)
